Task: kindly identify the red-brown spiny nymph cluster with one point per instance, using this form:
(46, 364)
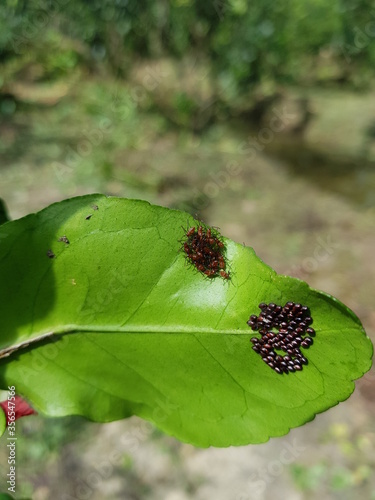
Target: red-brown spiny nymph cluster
(205, 250)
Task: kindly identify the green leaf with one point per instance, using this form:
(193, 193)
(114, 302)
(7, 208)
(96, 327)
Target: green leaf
(3, 422)
(3, 212)
(118, 324)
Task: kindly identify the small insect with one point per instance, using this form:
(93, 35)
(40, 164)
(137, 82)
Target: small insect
(190, 232)
(209, 272)
(224, 275)
(50, 254)
(88, 217)
(64, 239)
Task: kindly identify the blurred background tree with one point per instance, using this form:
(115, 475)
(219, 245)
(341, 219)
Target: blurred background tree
(247, 43)
(197, 64)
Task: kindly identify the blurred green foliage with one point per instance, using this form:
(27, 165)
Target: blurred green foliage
(248, 42)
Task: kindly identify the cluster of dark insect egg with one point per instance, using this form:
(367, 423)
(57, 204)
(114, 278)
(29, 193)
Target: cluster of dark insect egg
(205, 250)
(292, 323)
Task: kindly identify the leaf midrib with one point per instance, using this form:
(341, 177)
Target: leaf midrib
(71, 329)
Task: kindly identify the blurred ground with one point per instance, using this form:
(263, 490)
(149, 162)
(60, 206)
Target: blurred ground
(313, 223)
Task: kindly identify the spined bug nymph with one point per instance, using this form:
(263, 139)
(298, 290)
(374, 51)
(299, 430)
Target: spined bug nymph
(225, 275)
(205, 249)
(282, 349)
(190, 232)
